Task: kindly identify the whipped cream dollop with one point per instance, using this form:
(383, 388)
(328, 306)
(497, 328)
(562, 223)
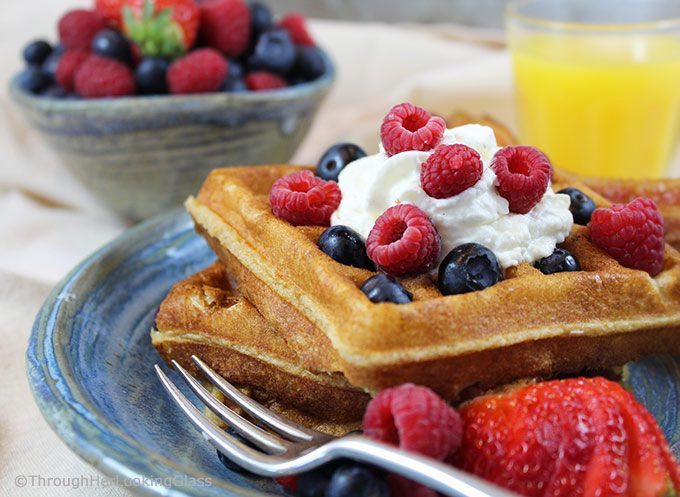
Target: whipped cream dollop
(479, 214)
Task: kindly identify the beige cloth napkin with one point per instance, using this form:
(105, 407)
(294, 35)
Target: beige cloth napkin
(48, 222)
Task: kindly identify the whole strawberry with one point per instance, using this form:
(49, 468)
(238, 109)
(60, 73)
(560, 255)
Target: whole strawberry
(163, 28)
(577, 437)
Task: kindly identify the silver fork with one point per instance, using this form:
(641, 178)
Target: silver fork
(297, 449)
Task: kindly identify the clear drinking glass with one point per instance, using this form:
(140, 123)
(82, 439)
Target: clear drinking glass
(597, 82)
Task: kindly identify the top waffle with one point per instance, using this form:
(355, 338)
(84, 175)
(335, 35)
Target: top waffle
(528, 324)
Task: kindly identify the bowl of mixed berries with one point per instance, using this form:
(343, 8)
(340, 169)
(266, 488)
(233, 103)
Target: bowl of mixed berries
(142, 98)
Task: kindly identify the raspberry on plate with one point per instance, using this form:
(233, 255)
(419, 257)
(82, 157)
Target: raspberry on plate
(100, 77)
(225, 25)
(264, 81)
(583, 436)
(632, 233)
(68, 66)
(295, 24)
(409, 127)
(78, 27)
(522, 174)
(450, 170)
(302, 199)
(416, 419)
(200, 71)
(404, 241)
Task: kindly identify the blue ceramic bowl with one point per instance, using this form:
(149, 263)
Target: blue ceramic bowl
(143, 155)
(90, 365)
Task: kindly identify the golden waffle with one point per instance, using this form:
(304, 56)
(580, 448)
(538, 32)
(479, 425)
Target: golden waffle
(205, 316)
(527, 325)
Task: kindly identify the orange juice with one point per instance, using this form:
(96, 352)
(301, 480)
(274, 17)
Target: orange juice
(605, 105)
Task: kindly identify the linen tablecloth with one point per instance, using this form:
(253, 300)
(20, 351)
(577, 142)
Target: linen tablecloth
(48, 222)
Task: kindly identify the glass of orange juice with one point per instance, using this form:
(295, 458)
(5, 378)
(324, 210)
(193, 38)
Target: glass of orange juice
(598, 82)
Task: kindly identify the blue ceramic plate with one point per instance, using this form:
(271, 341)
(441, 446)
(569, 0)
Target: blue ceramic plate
(90, 364)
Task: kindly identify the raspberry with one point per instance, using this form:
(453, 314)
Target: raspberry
(403, 487)
(263, 81)
(68, 65)
(78, 27)
(100, 77)
(416, 419)
(408, 127)
(632, 233)
(450, 170)
(200, 71)
(288, 482)
(302, 199)
(522, 174)
(403, 240)
(295, 24)
(225, 25)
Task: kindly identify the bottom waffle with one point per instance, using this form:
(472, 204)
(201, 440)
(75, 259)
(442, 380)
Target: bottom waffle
(204, 316)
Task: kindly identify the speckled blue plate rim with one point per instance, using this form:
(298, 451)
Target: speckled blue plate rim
(77, 422)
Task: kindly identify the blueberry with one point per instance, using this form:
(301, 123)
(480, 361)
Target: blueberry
(236, 69)
(260, 18)
(336, 158)
(357, 481)
(36, 52)
(309, 62)
(345, 245)
(49, 67)
(55, 91)
(274, 51)
(558, 262)
(385, 288)
(234, 85)
(34, 80)
(112, 44)
(313, 483)
(150, 76)
(468, 268)
(581, 207)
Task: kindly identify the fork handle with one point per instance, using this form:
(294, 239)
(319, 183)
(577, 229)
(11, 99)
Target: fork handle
(440, 477)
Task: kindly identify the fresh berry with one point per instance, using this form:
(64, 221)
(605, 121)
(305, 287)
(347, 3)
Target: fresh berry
(334, 160)
(559, 261)
(522, 176)
(264, 81)
(34, 80)
(408, 127)
(632, 233)
(49, 67)
(68, 66)
(234, 85)
(468, 268)
(112, 10)
(313, 483)
(345, 245)
(77, 28)
(200, 71)
(575, 437)
(260, 18)
(236, 69)
(36, 52)
(309, 63)
(450, 170)
(401, 487)
(385, 288)
(110, 43)
(274, 52)
(296, 25)
(290, 483)
(150, 76)
(303, 199)
(404, 241)
(357, 481)
(581, 207)
(100, 77)
(161, 28)
(225, 25)
(416, 419)
(55, 91)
